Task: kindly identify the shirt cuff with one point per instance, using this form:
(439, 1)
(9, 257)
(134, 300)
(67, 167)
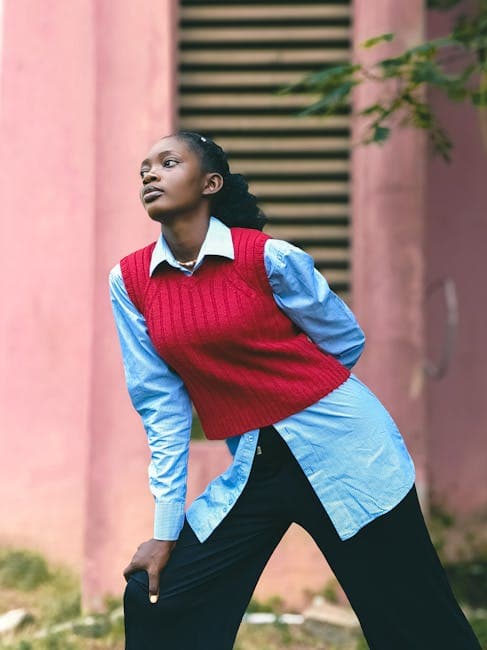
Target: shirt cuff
(168, 519)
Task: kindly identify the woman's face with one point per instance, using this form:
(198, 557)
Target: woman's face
(172, 180)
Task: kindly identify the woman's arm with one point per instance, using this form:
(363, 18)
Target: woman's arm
(160, 397)
(304, 296)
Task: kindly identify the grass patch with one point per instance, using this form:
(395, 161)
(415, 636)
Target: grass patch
(22, 569)
(274, 605)
(480, 628)
(52, 595)
(197, 432)
(276, 637)
(469, 582)
(330, 591)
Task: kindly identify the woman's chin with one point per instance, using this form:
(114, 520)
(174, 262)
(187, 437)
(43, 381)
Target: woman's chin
(157, 214)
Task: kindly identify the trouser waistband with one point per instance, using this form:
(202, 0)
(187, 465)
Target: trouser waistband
(271, 444)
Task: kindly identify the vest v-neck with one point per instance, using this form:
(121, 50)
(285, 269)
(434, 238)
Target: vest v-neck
(192, 279)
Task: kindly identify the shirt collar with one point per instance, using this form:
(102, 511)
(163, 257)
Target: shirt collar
(218, 241)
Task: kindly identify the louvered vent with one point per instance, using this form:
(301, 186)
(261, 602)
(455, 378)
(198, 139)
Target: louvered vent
(234, 56)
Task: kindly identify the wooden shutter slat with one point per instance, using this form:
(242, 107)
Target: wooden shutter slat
(211, 99)
(252, 79)
(202, 36)
(295, 232)
(302, 188)
(314, 210)
(245, 56)
(264, 123)
(257, 13)
(290, 166)
(290, 144)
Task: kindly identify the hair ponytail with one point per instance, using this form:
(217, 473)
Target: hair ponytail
(234, 205)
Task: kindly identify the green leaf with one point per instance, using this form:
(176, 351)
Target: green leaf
(337, 73)
(442, 5)
(435, 43)
(422, 116)
(479, 98)
(370, 42)
(467, 73)
(331, 101)
(457, 93)
(392, 67)
(380, 134)
(374, 108)
(428, 72)
(323, 79)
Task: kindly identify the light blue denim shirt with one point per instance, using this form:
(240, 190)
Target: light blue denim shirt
(346, 443)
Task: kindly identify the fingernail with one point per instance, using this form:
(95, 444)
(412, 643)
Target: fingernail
(153, 599)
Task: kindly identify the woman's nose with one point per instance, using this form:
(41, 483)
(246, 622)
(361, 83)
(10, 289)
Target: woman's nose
(150, 175)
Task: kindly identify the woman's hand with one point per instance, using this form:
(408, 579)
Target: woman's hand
(151, 556)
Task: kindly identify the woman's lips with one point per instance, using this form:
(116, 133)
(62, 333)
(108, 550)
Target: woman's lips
(152, 196)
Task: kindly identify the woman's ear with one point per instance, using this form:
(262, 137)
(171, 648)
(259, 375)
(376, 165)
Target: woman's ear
(213, 184)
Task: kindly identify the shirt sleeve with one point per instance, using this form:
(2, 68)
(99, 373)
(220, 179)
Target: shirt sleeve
(161, 399)
(304, 295)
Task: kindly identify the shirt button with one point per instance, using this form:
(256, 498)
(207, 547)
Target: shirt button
(251, 437)
(225, 508)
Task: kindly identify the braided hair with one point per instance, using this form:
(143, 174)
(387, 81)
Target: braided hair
(233, 204)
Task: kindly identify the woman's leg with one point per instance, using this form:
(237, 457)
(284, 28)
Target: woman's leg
(392, 576)
(206, 587)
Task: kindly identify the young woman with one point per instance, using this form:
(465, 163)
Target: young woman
(242, 325)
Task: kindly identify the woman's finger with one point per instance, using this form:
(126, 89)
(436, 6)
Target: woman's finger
(153, 585)
(129, 569)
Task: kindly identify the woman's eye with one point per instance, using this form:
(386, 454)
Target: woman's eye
(166, 163)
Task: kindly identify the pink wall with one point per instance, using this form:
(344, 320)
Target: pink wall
(46, 247)
(416, 220)
(135, 105)
(388, 239)
(456, 248)
(85, 90)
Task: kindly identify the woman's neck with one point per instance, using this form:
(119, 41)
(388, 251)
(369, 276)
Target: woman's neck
(185, 238)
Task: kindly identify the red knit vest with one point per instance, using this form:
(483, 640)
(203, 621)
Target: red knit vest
(244, 363)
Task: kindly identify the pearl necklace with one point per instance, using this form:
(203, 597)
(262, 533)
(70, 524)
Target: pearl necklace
(187, 263)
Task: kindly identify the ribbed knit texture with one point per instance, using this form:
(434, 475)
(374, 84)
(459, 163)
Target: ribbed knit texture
(244, 363)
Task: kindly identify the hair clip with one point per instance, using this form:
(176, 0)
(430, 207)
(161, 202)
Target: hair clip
(202, 138)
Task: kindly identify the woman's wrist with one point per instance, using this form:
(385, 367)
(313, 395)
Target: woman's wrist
(169, 543)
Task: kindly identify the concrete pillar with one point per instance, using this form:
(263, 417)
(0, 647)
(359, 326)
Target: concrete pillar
(46, 282)
(456, 245)
(388, 275)
(135, 105)
(85, 90)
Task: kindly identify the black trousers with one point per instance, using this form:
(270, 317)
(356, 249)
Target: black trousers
(389, 570)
